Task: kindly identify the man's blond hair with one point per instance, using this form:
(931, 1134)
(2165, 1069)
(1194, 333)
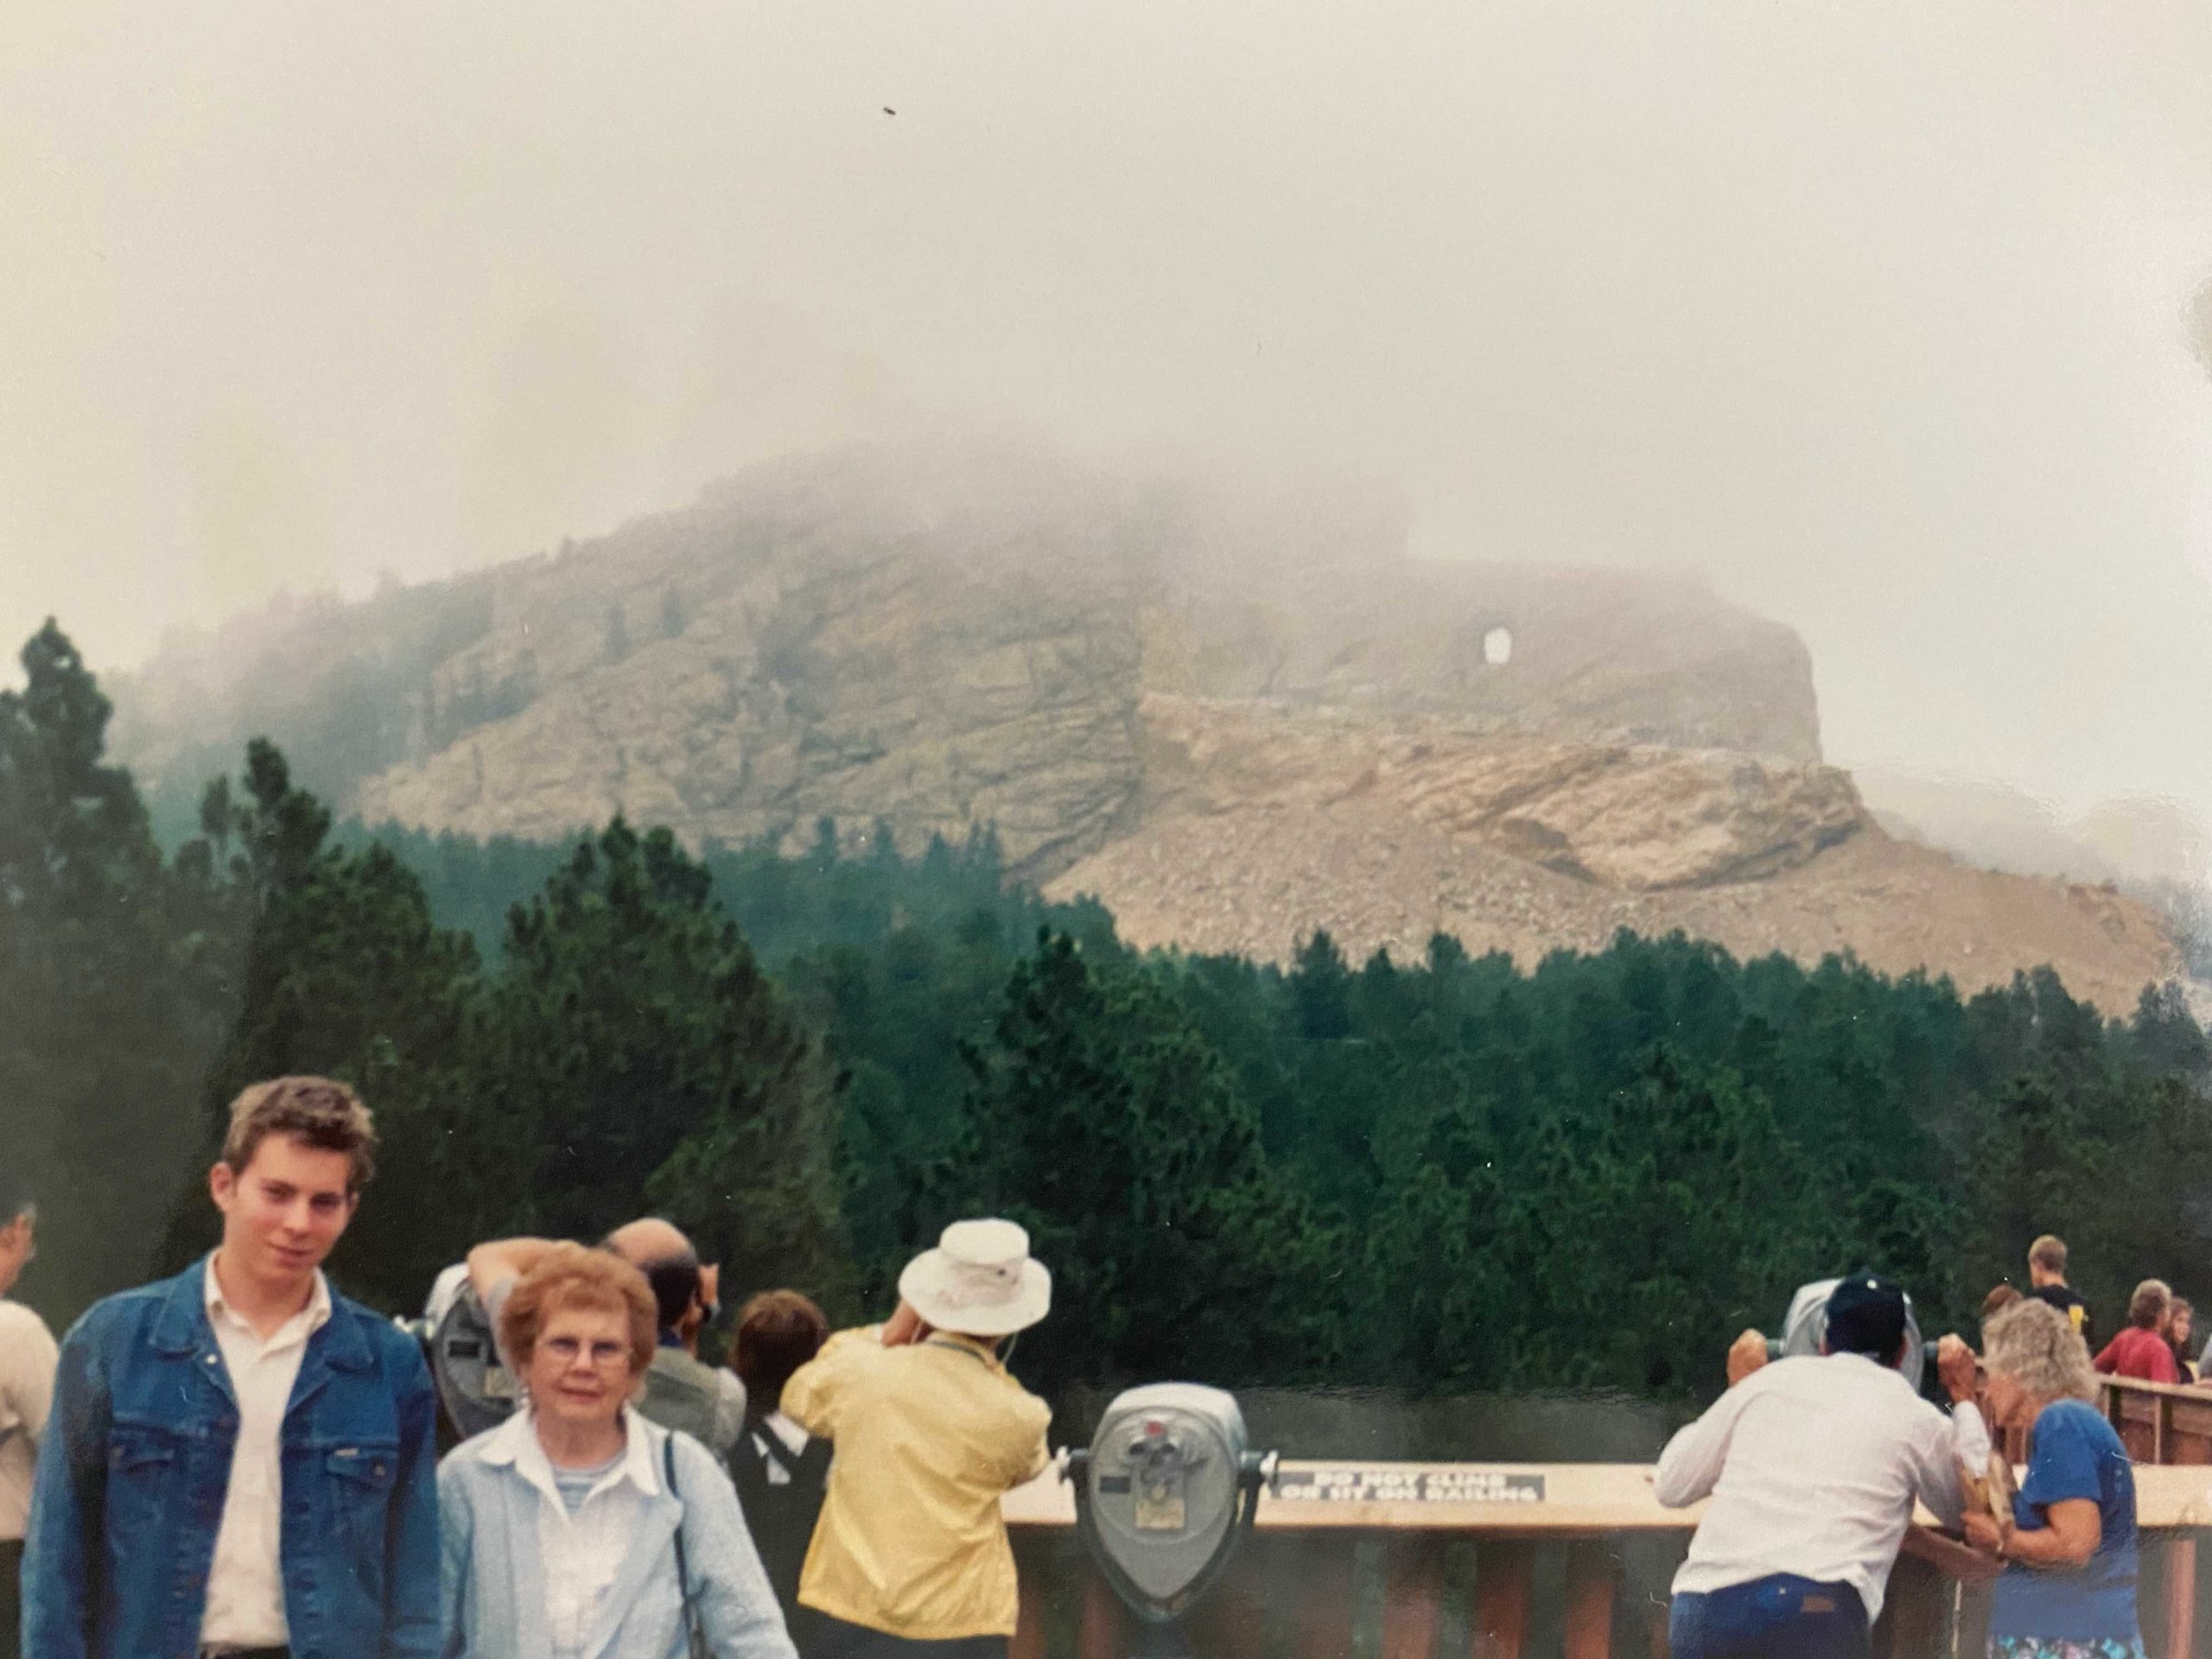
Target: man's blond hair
(324, 1113)
(2048, 1253)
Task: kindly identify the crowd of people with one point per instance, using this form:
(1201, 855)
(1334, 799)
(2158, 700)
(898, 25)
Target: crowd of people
(1813, 1465)
(240, 1463)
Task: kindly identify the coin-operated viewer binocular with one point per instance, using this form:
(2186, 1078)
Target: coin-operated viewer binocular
(1168, 1487)
(475, 1387)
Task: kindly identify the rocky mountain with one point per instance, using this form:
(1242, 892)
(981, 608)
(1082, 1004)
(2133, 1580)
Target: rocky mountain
(1235, 715)
(1387, 836)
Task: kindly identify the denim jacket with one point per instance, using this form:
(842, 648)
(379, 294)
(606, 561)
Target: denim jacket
(137, 1456)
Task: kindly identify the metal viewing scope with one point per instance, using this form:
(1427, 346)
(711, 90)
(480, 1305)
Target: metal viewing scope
(475, 1389)
(1805, 1327)
(1168, 1487)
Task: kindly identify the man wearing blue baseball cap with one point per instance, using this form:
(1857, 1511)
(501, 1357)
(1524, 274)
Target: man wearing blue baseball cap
(1814, 1463)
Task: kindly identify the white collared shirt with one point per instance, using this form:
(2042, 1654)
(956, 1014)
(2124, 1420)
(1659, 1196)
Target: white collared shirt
(27, 1359)
(583, 1551)
(790, 1435)
(245, 1585)
(1814, 1463)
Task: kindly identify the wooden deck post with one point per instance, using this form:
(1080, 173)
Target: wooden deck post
(1503, 1571)
(2181, 1596)
(1029, 1621)
(1100, 1636)
(1592, 1577)
(1324, 1581)
(1914, 1618)
(1413, 1597)
(1232, 1621)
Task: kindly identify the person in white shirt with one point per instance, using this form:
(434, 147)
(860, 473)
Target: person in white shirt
(27, 1357)
(1813, 1465)
(241, 1461)
(780, 1470)
(578, 1528)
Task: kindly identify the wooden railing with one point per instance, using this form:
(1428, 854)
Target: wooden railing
(1582, 1574)
(2160, 1422)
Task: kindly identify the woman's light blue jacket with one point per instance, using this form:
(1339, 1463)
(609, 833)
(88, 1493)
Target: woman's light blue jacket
(493, 1602)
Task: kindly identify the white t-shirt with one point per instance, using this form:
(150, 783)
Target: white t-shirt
(1813, 1465)
(27, 1355)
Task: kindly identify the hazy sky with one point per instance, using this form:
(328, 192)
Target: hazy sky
(1877, 312)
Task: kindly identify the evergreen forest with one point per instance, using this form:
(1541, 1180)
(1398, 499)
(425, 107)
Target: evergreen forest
(1434, 1176)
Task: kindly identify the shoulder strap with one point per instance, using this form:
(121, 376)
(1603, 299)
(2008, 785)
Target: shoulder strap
(771, 1445)
(682, 1564)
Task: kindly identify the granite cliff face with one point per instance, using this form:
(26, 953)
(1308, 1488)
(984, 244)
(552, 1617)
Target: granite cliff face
(1638, 818)
(1235, 717)
(863, 640)
(752, 687)
(1563, 655)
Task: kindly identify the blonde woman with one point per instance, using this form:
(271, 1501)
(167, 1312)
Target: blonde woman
(577, 1529)
(2069, 1588)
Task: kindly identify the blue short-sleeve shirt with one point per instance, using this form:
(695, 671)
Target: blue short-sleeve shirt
(2075, 1454)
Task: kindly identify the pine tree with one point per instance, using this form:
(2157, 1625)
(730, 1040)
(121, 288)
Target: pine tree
(113, 1002)
(345, 974)
(1103, 1122)
(646, 1065)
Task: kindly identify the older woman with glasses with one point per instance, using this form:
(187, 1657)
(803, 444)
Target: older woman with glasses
(2069, 1546)
(578, 1530)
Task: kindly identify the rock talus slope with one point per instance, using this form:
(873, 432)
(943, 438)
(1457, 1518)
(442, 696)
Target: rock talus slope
(1757, 859)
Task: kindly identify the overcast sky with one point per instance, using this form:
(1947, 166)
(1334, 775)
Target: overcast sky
(1878, 312)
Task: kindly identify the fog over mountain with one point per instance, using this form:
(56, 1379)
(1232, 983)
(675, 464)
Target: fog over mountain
(1883, 317)
(1235, 719)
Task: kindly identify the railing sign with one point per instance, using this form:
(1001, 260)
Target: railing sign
(1354, 1484)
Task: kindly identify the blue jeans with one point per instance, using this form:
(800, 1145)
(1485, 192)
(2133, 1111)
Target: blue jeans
(1784, 1617)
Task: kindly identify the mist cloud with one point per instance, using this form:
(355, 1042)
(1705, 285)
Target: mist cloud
(1880, 313)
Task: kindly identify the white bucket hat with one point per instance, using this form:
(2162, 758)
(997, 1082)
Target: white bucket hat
(979, 1280)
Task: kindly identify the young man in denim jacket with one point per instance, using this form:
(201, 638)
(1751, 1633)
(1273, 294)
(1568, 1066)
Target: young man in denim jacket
(239, 1462)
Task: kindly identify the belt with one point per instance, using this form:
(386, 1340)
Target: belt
(245, 1653)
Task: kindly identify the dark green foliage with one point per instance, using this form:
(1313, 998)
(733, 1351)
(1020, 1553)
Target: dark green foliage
(1103, 1120)
(344, 974)
(111, 986)
(469, 885)
(644, 1064)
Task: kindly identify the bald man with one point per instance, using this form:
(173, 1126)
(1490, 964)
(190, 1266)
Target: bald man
(682, 1391)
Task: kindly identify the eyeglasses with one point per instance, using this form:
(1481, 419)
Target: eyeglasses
(570, 1350)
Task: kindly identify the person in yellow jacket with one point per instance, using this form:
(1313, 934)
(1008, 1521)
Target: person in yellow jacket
(910, 1560)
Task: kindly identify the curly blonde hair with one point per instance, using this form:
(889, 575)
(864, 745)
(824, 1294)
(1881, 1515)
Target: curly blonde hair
(568, 1276)
(2036, 1346)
